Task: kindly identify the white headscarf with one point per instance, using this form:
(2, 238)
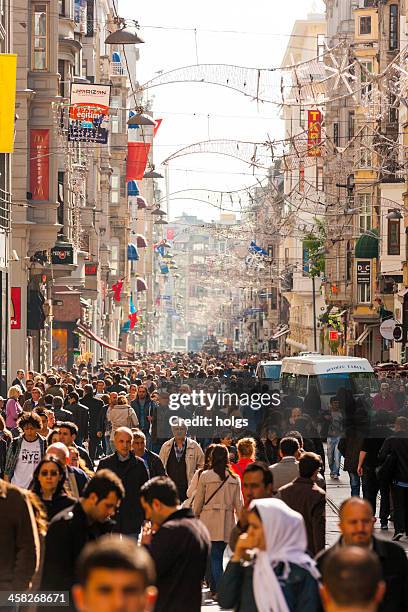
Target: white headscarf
(286, 542)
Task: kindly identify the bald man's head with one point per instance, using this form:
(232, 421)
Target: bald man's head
(59, 451)
(356, 522)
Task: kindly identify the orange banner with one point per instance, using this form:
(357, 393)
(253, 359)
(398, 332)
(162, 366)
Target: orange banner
(40, 164)
(314, 130)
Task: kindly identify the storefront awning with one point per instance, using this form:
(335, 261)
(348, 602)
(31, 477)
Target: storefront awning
(365, 333)
(141, 284)
(296, 345)
(84, 331)
(367, 245)
(132, 252)
(133, 189)
(280, 332)
(141, 241)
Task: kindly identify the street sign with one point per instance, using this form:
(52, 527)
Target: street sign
(387, 329)
(333, 335)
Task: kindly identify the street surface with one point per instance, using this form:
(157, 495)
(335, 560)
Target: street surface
(337, 491)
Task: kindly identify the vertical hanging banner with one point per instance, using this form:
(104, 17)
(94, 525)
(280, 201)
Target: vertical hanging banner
(80, 7)
(40, 164)
(156, 127)
(8, 71)
(314, 133)
(89, 113)
(136, 160)
(15, 314)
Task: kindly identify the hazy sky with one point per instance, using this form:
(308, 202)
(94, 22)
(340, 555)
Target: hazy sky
(264, 28)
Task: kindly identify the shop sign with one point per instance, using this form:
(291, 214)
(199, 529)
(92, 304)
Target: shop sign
(40, 164)
(62, 255)
(363, 272)
(314, 130)
(89, 113)
(333, 335)
(15, 315)
(91, 269)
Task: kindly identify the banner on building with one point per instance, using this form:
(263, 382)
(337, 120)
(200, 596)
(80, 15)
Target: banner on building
(89, 113)
(314, 131)
(15, 314)
(136, 160)
(170, 232)
(40, 164)
(363, 272)
(8, 70)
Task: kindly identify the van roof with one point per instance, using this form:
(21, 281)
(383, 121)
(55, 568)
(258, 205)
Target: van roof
(272, 362)
(325, 364)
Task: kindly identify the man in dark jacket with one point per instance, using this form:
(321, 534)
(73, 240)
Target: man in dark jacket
(179, 548)
(396, 446)
(19, 543)
(133, 474)
(152, 461)
(68, 433)
(357, 528)
(304, 496)
(95, 408)
(60, 413)
(80, 416)
(72, 528)
(145, 410)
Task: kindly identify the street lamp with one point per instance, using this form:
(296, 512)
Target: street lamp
(123, 36)
(152, 174)
(394, 215)
(141, 119)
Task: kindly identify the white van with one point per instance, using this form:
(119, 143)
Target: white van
(268, 373)
(328, 373)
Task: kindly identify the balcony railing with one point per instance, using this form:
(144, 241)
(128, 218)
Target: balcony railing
(117, 69)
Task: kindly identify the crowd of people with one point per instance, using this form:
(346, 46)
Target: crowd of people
(104, 495)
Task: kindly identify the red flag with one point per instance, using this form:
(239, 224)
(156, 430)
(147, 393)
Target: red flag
(156, 127)
(136, 160)
(133, 319)
(117, 290)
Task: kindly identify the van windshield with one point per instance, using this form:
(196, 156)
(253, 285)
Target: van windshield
(356, 382)
(272, 371)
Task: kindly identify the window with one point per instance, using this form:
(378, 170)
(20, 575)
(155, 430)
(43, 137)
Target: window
(366, 72)
(78, 58)
(116, 124)
(302, 117)
(364, 293)
(90, 17)
(336, 134)
(115, 186)
(39, 47)
(271, 251)
(321, 47)
(350, 125)
(61, 8)
(319, 178)
(60, 211)
(365, 154)
(274, 298)
(394, 228)
(349, 261)
(365, 25)
(365, 211)
(394, 27)
(114, 258)
(61, 70)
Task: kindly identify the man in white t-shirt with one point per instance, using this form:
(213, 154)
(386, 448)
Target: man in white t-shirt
(25, 452)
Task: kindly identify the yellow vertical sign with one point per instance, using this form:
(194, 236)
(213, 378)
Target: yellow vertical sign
(8, 74)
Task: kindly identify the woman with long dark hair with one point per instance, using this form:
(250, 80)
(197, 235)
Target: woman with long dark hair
(217, 502)
(192, 489)
(48, 484)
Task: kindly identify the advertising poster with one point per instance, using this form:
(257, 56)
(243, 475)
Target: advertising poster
(314, 129)
(89, 113)
(60, 347)
(15, 306)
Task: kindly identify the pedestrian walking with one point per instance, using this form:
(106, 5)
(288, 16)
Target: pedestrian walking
(112, 570)
(13, 409)
(48, 484)
(95, 408)
(181, 457)
(288, 468)
(281, 577)
(25, 452)
(133, 474)
(334, 433)
(352, 580)
(179, 544)
(246, 448)
(357, 529)
(80, 416)
(218, 502)
(72, 529)
(152, 461)
(304, 496)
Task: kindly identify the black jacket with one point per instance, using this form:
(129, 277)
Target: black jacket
(63, 414)
(394, 565)
(83, 453)
(398, 445)
(95, 407)
(67, 535)
(150, 409)
(57, 504)
(155, 465)
(133, 473)
(180, 550)
(80, 416)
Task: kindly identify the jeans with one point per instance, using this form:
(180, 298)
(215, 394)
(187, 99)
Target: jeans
(333, 455)
(216, 557)
(400, 499)
(355, 483)
(371, 487)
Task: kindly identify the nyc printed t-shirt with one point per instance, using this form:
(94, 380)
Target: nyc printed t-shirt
(28, 459)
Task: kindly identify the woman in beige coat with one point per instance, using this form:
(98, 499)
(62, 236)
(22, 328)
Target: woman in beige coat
(217, 503)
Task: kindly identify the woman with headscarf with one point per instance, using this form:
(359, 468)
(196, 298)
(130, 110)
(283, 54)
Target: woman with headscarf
(270, 570)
